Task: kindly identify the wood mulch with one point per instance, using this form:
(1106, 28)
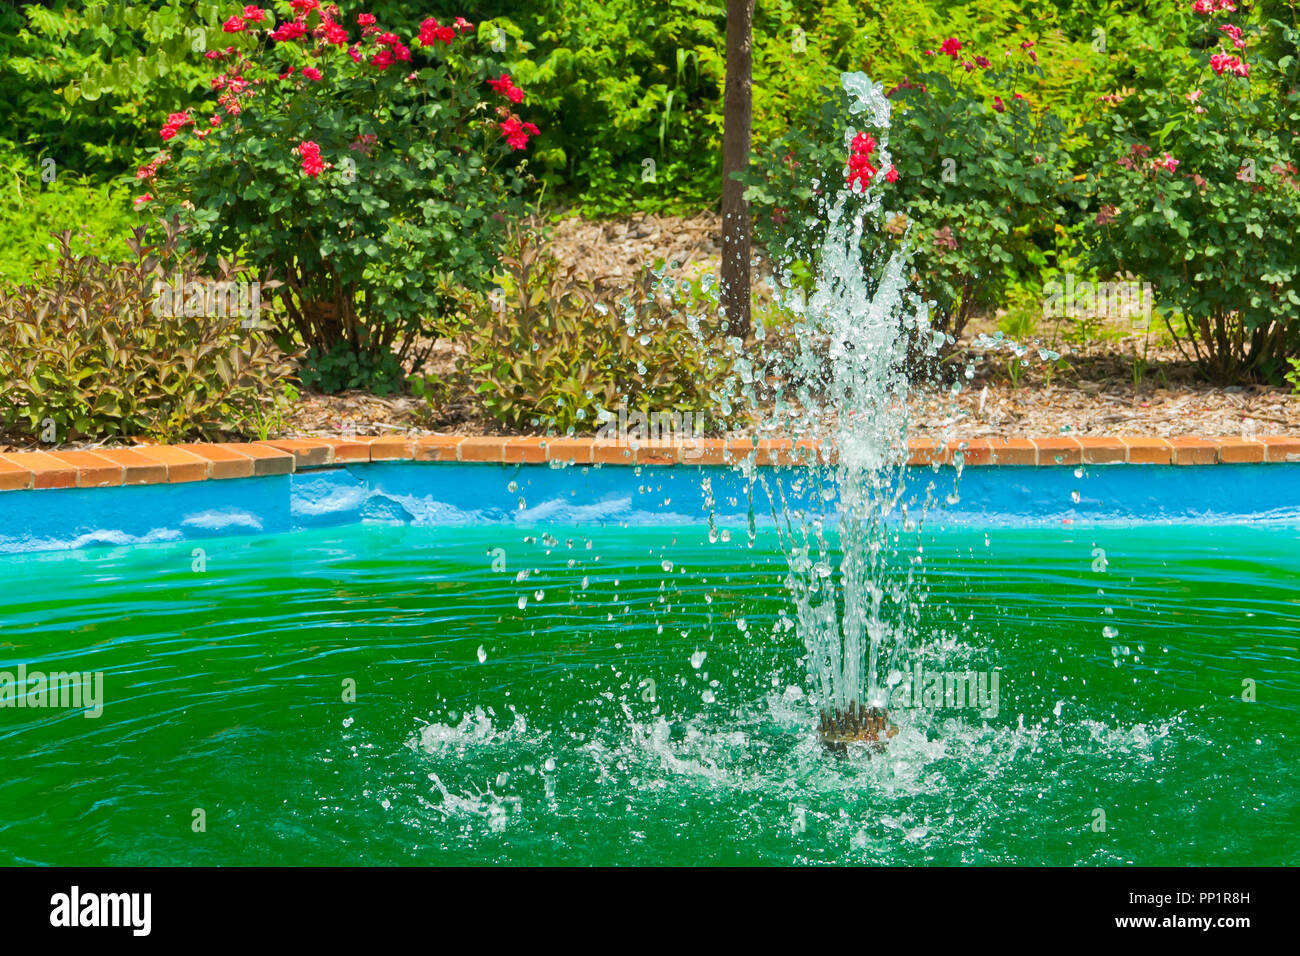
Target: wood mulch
(1096, 395)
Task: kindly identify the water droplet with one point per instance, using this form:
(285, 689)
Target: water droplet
(667, 565)
(697, 659)
(482, 654)
(1109, 632)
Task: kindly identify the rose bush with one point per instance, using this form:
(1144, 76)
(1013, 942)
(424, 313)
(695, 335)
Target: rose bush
(1196, 189)
(979, 180)
(374, 172)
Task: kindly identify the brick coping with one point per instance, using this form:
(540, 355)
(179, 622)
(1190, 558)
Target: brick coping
(165, 464)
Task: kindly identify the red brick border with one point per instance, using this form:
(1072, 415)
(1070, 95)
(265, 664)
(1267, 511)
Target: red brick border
(160, 464)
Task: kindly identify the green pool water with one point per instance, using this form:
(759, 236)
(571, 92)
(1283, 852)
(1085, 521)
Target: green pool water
(483, 731)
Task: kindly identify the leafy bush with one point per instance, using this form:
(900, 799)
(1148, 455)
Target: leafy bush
(1197, 190)
(552, 353)
(375, 176)
(85, 352)
(629, 97)
(982, 181)
(1279, 41)
(1024, 309)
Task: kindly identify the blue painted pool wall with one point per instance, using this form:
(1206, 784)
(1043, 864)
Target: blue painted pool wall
(541, 495)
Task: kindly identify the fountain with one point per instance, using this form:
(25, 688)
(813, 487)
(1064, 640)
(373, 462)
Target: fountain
(847, 362)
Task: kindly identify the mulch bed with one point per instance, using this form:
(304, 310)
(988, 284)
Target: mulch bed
(1098, 398)
(1095, 395)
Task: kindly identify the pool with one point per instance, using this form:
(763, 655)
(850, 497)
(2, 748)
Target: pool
(469, 664)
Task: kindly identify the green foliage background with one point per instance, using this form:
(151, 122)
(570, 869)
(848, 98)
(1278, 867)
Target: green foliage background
(612, 84)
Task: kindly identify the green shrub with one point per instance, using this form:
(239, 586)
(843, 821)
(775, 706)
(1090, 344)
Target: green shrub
(341, 369)
(628, 95)
(85, 82)
(1024, 309)
(45, 198)
(87, 353)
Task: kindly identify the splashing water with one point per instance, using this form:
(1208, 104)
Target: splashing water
(847, 364)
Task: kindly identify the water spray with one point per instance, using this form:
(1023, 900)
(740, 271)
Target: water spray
(850, 362)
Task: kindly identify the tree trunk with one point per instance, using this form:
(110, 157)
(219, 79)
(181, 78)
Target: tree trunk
(736, 133)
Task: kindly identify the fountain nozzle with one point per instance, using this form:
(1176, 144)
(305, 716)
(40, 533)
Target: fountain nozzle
(870, 726)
